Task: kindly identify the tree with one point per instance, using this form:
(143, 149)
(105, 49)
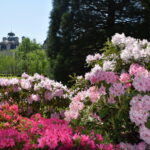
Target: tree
(27, 45)
(37, 62)
(145, 27)
(32, 58)
(80, 27)
(54, 39)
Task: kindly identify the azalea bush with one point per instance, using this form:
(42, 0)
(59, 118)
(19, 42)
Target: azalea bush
(104, 104)
(113, 98)
(36, 132)
(34, 94)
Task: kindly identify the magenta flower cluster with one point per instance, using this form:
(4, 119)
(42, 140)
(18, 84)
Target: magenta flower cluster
(40, 133)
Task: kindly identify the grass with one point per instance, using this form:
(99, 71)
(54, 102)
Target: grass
(8, 76)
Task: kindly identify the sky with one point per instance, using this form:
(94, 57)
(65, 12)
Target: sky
(29, 18)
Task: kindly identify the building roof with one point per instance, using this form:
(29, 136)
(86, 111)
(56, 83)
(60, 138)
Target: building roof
(11, 34)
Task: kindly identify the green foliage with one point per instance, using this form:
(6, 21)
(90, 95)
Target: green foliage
(8, 63)
(27, 46)
(34, 62)
(28, 57)
(37, 62)
(147, 124)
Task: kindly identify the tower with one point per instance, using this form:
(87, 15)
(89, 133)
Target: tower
(9, 42)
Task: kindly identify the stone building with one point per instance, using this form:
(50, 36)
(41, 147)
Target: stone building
(9, 42)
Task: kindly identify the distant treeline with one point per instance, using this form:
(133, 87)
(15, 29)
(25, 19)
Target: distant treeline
(29, 57)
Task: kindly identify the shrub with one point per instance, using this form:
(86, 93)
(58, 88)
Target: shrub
(34, 94)
(115, 93)
(40, 133)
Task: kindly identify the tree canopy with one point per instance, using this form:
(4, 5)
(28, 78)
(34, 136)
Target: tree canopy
(27, 45)
(80, 27)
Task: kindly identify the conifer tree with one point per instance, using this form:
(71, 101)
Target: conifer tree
(80, 27)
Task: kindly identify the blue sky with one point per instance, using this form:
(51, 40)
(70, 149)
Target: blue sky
(28, 18)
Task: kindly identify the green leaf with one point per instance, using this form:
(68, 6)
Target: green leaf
(104, 112)
(147, 124)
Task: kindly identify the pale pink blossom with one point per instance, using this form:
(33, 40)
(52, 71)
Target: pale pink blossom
(48, 95)
(24, 75)
(69, 115)
(128, 146)
(77, 97)
(102, 90)
(38, 76)
(58, 93)
(25, 84)
(146, 102)
(117, 89)
(145, 134)
(4, 82)
(141, 82)
(93, 94)
(97, 75)
(33, 98)
(139, 111)
(91, 58)
(124, 78)
(76, 106)
(14, 81)
(118, 39)
(135, 68)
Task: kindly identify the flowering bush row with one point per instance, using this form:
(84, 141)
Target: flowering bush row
(34, 94)
(17, 132)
